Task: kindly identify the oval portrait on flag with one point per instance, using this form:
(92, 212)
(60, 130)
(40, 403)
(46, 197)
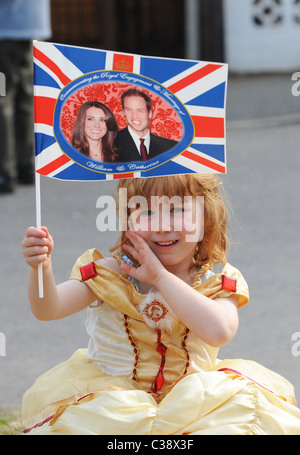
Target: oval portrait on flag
(115, 122)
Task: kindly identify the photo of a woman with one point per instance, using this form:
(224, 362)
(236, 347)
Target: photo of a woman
(94, 131)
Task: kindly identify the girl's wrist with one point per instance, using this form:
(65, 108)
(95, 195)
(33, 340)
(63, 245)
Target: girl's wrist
(46, 265)
(161, 278)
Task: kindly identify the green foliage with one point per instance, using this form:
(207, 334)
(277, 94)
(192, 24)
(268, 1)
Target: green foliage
(10, 422)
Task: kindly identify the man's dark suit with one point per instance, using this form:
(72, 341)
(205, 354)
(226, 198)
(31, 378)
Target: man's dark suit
(129, 152)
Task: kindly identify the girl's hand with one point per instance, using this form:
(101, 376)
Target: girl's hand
(150, 266)
(37, 246)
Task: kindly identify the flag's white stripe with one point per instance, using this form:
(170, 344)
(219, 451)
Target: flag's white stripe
(48, 155)
(52, 52)
(192, 165)
(184, 74)
(202, 85)
(203, 111)
(209, 140)
(205, 156)
(109, 61)
(44, 129)
(61, 169)
(48, 71)
(47, 92)
(136, 64)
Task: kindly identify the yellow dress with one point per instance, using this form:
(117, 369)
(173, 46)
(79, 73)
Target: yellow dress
(145, 373)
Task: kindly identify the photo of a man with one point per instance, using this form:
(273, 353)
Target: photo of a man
(136, 142)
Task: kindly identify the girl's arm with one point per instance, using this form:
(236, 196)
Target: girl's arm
(60, 300)
(214, 321)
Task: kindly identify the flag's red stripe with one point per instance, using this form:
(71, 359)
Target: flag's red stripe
(204, 161)
(44, 110)
(193, 77)
(51, 167)
(123, 62)
(209, 126)
(123, 176)
(51, 65)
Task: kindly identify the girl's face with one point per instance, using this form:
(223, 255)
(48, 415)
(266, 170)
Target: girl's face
(95, 127)
(171, 227)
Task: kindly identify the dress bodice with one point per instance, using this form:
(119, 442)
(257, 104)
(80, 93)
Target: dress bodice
(124, 342)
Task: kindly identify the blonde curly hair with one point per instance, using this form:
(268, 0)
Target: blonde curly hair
(215, 242)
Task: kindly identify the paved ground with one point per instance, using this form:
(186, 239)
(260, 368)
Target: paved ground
(263, 136)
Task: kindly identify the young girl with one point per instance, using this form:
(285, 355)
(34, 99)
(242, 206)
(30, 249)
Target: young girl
(157, 315)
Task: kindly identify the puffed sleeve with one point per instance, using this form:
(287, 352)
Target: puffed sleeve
(86, 258)
(108, 285)
(225, 284)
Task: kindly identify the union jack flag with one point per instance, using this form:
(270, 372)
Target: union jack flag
(194, 90)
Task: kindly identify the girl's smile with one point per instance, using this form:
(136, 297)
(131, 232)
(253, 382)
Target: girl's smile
(166, 244)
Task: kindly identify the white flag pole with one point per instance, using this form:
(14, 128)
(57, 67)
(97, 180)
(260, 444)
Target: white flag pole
(38, 214)
(38, 225)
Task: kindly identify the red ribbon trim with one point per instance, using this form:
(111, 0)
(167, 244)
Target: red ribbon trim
(40, 424)
(159, 380)
(247, 377)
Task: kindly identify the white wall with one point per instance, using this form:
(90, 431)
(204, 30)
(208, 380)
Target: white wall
(271, 47)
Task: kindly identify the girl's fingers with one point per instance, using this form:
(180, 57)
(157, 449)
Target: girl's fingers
(36, 260)
(36, 232)
(35, 236)
(131, 235)
(28, 241)
(138, 242)
(135, 241)
(129, 269)
(131, 250)
(36, 251)
(37, 245)
(32, 246)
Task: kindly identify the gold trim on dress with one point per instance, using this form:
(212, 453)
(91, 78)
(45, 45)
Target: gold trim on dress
(183, 345)
(134, 346)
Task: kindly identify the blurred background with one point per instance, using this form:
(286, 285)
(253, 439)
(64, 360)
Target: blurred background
(251, 35)
(259, 39)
